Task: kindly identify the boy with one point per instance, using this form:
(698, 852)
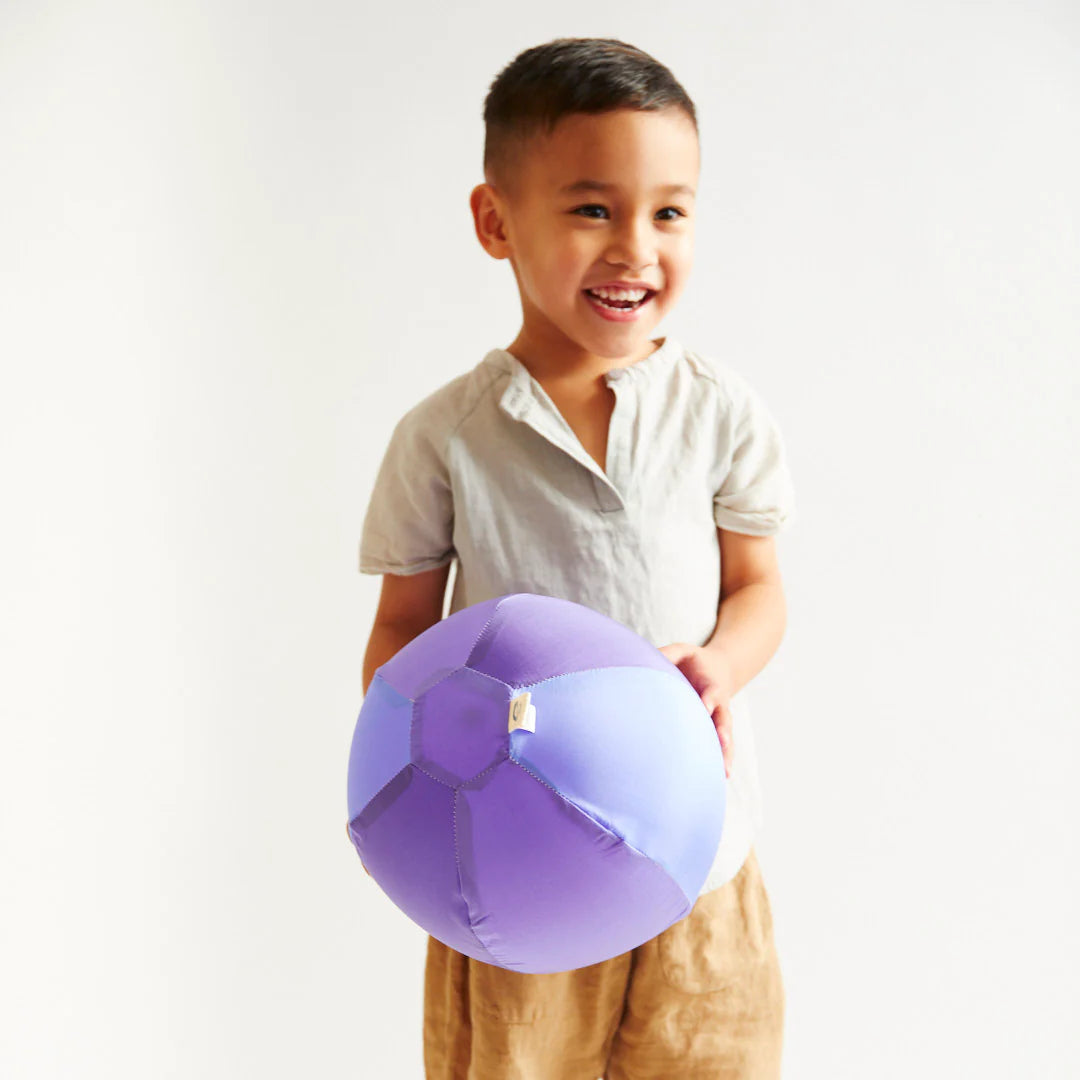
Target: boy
(638, 477)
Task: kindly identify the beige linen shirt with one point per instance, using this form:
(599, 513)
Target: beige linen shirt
(486, 470)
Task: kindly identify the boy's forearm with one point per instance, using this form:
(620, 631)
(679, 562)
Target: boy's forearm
(749, 628)
(386, 639)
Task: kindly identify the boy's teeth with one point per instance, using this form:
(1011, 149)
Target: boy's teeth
(619, 294)
(619, 299)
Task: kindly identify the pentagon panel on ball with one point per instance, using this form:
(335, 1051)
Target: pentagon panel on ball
(535, 784)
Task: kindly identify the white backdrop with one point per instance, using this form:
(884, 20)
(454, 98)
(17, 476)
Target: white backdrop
(235, 247)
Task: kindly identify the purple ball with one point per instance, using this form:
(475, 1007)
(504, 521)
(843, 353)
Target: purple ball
(536, 785)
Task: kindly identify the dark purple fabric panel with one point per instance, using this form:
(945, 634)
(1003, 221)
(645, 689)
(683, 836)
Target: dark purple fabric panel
(532, 637)
(405, 837)
(460, 726)
(548, 889)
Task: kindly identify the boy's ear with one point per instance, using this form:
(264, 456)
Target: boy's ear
(487, 212)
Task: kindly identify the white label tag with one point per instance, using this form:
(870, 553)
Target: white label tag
(522, 713)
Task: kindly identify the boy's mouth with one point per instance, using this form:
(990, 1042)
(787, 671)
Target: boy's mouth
(606, 299)
(613, 307)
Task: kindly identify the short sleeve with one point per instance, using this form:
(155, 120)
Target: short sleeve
(409, 522)
(756, 496)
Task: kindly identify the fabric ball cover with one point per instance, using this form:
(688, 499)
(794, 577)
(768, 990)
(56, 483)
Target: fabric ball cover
(536, 785)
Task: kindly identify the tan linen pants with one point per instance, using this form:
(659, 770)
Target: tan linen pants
(704, 998)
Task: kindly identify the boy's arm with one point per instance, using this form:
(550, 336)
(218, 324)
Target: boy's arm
(753, 611)
(749, 627)
(408, 605)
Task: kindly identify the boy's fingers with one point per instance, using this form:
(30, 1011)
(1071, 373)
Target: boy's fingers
(723, 731)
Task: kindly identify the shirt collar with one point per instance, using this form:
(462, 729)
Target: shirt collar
(522, 390)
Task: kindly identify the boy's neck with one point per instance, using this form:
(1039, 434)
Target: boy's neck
(552, 366)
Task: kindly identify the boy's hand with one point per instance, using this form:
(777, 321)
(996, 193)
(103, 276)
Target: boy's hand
(349, 835)
(709, 674)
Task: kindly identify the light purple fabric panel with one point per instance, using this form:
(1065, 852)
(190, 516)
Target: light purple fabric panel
(624, 743)
(380, 743)
(431, 656)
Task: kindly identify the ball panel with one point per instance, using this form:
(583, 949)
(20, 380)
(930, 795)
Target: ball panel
(440, 649)
(547, 888)
(405, 838)
(380, 744)
(624, 744)
(460, 726)
(532, 637)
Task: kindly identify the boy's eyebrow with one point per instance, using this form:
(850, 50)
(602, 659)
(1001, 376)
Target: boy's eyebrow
(602, 186)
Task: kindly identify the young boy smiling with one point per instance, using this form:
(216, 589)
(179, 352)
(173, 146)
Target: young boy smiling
(589, 461)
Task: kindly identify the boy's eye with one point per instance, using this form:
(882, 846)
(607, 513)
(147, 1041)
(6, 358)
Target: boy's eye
(590, 206)
(597, 206)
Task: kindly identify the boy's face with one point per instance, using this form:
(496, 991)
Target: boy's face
(561, 242)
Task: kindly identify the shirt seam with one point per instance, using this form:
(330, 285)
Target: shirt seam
(480, 396)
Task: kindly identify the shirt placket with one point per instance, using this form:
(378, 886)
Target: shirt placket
(618, 457)
(545, 419)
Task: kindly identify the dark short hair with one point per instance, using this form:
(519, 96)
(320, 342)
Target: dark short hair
(565, 76)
